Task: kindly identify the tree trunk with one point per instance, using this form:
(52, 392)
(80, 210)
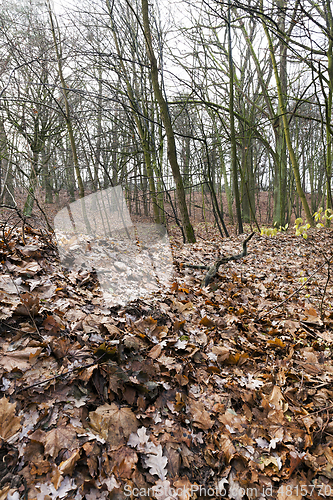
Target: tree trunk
(282, 106)
(232, 130)
(68, 121)
(6, 174)
(28, 206)
(47, 177)
(329, 137)
(172, 153)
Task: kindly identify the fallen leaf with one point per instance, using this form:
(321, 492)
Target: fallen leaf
(155, 351)
(21, 360)
(56, 439)
(114, 424)
(206, 322)
(67, 466)
(199, 414)
(156, 462)
(10, 424)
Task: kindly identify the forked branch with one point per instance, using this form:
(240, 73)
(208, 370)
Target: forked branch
(213, 269)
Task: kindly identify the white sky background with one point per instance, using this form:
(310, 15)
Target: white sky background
(172, 14)
(168, 11)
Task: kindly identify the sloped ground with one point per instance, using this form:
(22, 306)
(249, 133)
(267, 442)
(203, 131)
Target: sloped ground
(194, 392)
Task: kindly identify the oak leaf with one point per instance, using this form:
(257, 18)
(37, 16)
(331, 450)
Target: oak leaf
(156, 462)
(67, 466)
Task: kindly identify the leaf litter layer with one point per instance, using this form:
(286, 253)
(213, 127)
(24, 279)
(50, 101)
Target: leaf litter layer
(227, 387)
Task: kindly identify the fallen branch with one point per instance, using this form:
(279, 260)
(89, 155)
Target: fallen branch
(212, 270)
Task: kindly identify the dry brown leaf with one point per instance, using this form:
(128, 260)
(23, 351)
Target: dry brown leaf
(30, 250)
(67, 466)
(124, 462)
(7, 284)
(4, 492)
(9, 422)
(178, 325)
(60, 438)
(276, 342)
(170, 363)
(233, 422)
(114, 424)
(292, 326)
(30, 268)
(21, 360)
(226, 446)
(277, 401)
(92, 451)
(171, 451)
(51, 325)
(155, 351)
(29, 305)
(56, 439)
(206, 322)
(146, 325)
(56, 476)
(200, 415)
(221, 352)
(185, 307)
(112, 329)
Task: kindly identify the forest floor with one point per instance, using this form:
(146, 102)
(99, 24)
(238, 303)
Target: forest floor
(191, 392)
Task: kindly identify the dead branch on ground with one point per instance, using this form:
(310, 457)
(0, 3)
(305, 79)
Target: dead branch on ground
(213, 269)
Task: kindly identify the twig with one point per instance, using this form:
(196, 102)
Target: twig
(212, 270)
(196, 266)
(308, 329)
(215, 267)
(318, 411)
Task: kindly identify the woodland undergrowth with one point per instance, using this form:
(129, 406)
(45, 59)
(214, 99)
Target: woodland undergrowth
(227, 387)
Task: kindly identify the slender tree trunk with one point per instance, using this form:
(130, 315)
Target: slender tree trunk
(142, 131)
(280, 177)
(99, 129)
(329, 136)
(67, 110)
(68, 119)
(114, 150)
(232, 130)
(47, 176)
(172, 153)
(69, 174)
(247, 178)
(6, 174)
(227, 189)
(28, 206)
(292, 155)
